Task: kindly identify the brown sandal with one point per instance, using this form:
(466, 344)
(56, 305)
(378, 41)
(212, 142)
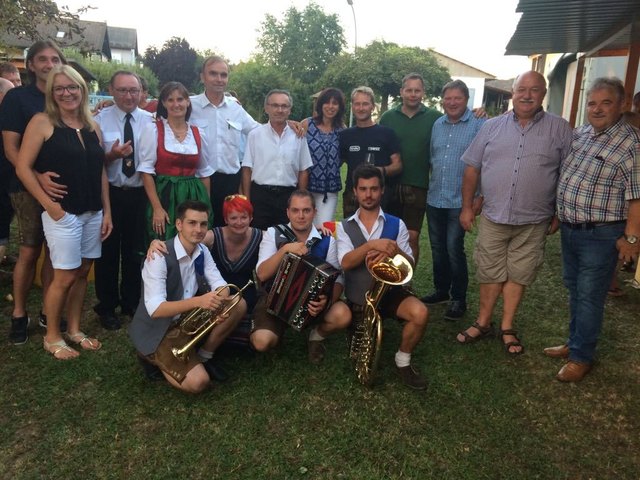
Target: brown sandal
(515, 343)
(485, 332)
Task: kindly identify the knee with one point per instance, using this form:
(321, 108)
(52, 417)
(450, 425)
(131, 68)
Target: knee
(339, 316)
(263, 340)
(196, 382)
(419, 315)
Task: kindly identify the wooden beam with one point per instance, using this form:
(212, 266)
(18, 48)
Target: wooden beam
(631, 74)
(577, 88)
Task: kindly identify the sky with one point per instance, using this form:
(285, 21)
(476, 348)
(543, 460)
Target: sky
(472, 31)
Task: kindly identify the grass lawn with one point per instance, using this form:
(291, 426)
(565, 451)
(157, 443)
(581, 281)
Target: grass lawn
(484, 416)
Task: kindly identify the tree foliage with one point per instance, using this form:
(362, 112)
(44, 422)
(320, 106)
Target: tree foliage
(22, 17)
(381, 66)
(303, 43)
(252, 81)
(176, 61)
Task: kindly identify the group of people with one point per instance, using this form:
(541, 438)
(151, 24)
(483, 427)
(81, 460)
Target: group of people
(215, 196)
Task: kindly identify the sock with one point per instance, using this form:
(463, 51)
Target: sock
(315, 336)
(403, 359)
(205, 354)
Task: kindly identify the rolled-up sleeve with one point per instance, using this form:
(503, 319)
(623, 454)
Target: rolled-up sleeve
(154, 279)
(204, 162)
(343, 242)
(267, 246)
(148, 149)
(332, 259)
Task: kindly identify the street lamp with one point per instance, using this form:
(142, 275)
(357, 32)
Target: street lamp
(355, 27)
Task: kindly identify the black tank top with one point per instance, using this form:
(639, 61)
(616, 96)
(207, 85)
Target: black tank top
(80, 168)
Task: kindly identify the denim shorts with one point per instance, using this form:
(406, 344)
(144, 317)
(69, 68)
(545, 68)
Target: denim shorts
(72, 238)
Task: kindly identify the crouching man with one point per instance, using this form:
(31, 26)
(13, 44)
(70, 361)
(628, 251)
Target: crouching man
(170, 287)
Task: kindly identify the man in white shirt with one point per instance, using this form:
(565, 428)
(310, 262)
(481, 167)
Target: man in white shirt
(268, 329)
(367, 237)
(226, 123)
(171, 284)
(276, 162)
(121, 251)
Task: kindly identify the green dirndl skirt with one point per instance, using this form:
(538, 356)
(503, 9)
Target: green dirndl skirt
(172, 191)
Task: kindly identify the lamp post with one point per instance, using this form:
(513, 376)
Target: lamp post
(355, 27)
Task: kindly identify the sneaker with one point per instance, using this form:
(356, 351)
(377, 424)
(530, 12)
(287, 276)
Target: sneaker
(18, 335)
(316, 351)
(42, 321)
(151, 372)
(411, 377)
(215, 370)
(435, 298)
(456, 310)
(110, 321)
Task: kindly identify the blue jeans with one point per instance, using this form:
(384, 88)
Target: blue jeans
(588, 261)
(450, 273)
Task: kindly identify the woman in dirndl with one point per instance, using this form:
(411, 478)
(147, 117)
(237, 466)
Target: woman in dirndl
(173, 162)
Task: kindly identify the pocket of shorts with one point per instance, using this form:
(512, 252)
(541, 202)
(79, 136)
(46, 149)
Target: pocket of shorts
(60, 220)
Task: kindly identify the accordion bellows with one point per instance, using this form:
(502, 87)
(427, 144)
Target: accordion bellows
(299, 280)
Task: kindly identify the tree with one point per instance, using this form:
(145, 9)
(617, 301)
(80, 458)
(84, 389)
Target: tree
(303, 43)
(22, 17)
(381, 66)
(252, 81)
(175, 62)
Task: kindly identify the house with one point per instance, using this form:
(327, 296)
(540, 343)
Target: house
(473, 77)
(123, 43)
(572, 42)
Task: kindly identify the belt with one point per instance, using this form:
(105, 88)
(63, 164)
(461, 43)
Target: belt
(125, 188)
(274, 188)
(591, 225)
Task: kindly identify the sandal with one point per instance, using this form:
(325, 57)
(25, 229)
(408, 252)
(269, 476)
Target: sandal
(485, 332)
(515, 343)
(80, 338)
(54, 348)
(616, 292)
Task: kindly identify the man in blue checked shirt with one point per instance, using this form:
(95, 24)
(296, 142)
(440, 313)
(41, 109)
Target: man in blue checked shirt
(450, 137)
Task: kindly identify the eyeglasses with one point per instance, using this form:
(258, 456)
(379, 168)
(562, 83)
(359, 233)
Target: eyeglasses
(279, 106)
(69, 88)
(130, 91)
(228, 198)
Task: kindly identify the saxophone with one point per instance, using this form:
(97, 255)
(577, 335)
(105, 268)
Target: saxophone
(367, 337)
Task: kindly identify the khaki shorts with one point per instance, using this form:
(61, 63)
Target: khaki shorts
(509, 252)
(410, 204)
(28, 213)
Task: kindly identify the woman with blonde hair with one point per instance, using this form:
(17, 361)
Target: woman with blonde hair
(65, 139)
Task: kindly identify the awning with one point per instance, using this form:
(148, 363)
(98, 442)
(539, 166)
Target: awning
(559, 26)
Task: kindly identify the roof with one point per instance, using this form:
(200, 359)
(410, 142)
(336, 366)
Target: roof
(504, 86)
(558, 26)
(123, 38)
(94, 37)
(458, 68)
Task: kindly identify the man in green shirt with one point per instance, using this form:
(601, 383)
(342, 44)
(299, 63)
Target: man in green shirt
(412, 122)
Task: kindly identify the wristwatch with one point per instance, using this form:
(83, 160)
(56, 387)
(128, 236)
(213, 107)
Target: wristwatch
(632, 239)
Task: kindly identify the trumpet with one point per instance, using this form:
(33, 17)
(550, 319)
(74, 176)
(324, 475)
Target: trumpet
(367, 338)
(200, 321)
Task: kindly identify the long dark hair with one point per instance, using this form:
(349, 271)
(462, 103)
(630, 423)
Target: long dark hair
(324, 97)
(167, 90)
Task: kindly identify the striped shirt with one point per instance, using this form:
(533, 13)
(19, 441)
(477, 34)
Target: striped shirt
(600, 174)
(519, 166)
(448, 142)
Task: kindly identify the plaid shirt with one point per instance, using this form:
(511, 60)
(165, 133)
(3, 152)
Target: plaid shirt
(448, 142)
(600, 174)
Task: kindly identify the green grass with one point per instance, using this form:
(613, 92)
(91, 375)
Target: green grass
(484, 416)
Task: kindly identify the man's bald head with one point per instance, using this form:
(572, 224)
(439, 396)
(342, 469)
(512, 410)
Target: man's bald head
(5, 86)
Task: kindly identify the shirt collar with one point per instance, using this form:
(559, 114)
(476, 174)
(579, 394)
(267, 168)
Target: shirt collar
(537, 117)
(121, 114)
(609, 131)
(284, 132)
(314, 233)
(202, 101)
(182, 253)
(464, 118)
(355, 216)
(421, 110)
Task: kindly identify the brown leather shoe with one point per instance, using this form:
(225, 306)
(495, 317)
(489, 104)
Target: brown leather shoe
(316, 351)
(561, 351)
(573, 371)
(411, 377)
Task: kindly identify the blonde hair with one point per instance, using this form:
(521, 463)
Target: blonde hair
(51, 107)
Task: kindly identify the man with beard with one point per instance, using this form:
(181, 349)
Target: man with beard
(332, 315)
(367, 237)
(514, 159)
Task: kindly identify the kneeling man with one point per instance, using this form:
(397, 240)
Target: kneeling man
(170, 287)
(331, 314)
(368, 236)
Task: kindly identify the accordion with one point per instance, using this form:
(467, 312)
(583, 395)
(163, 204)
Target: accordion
(299, 280)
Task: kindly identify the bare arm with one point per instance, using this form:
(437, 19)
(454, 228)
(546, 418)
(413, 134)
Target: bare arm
(246, 182)
(210, 301)
(160, 216)
(627, 251)
(373, 248)
(303, 179)
(469, 187)
(206, 181)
